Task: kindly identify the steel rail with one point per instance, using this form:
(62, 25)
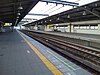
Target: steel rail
(89, 55)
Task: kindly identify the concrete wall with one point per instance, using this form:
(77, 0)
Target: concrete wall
(87, 31)
(99, 27)
(27, 28)
(62, 29)
(48, 28)
(41, 27)
(85, 22)
(69, 27)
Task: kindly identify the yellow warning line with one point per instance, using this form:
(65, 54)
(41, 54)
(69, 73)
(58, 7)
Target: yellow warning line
(50, 66)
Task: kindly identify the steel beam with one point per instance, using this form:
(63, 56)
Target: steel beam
(34, 14)
(15, 3)
(93, 11)
(61, 2)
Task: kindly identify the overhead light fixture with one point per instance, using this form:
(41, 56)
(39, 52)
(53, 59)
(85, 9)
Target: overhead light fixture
(84, 13)
(18, 14)
(68, 16)
(85, 6)
(96, 4)
(73, 6)
(20, 7)
(58, 18)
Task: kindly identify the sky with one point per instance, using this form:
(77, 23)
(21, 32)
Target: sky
(51, 9)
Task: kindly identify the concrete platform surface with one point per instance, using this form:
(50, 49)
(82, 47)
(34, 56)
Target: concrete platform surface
(18, 58)
(15, 58)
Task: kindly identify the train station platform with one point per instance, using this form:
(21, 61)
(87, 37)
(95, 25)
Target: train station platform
(80, 36)
(22, 55)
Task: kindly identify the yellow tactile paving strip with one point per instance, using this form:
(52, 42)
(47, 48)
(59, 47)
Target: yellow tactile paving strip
(50, 66)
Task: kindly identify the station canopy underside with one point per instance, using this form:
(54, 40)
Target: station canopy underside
(12, 11)
(83, 13)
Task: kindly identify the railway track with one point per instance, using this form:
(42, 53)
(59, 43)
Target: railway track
(88, 56)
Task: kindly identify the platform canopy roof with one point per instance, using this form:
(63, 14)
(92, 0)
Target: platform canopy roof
(12, 11)
(86, 12)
